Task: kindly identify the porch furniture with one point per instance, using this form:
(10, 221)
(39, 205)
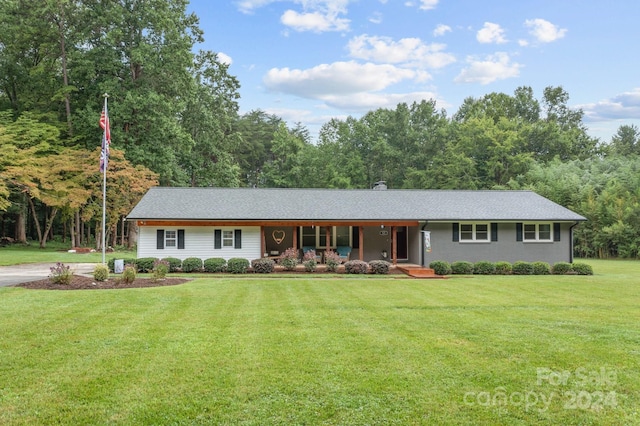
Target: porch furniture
(344, 252)
(313, 249)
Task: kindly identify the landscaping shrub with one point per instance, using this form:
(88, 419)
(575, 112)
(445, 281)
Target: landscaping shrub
(101, 273)
(192, 264)
(263, 266)
(129, 274)
(60, 274)
(289, 259)
(237, 265)
(541, 268)
(462, 267)
(440, 267)
(160, 269)
(309, 261)
(332, 260)
(503, 268)
(379, 266)
(215, 264)
(356, 267)
(484, 267)
(522, 268)
(174, 263)
(582, 269)
(145, 264)
(561, 268)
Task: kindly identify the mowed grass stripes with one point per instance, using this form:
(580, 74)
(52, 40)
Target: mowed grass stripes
(253, 350)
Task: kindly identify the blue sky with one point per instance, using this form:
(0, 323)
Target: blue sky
(308, 61)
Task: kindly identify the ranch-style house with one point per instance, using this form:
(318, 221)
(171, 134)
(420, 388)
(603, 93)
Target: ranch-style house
(401, 226)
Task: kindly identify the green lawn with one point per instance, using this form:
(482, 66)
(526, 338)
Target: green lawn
(340, 350)
(54, 252)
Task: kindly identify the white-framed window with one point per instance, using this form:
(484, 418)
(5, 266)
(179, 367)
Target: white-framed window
(227, 238)
(537, 232)
(475, 232)
(170, 238)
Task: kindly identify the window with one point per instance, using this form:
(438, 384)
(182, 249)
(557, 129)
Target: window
(317, 236)
(537, 232)
(227, 238)
(170, 238)
(474, 232)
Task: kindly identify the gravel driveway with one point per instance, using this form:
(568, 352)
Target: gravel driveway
(11, 275)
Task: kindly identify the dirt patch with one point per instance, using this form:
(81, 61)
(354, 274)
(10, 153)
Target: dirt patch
(80, 282)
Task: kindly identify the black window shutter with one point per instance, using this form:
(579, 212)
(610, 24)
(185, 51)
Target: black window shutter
(237, 239)
(556, 232)
(217, 239)
(160, 239)
(494, 231)
(518, 231)
(456, 232)
(180, 238)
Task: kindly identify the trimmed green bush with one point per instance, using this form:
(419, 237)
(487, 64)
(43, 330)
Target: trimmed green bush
(129, 274)
(237, 265)
(263, 266)
(356, 267)
(215, 264)
(289, 259)
(379, 267)
(503, 268)
(160, 269)
(561, 268)
(541, 268)
(462, 267)
(522, 268)
(582, 269)
(101, 273)
(440, 267)
(192, 264)
(174, 263)
(484, 267)
(145, 264)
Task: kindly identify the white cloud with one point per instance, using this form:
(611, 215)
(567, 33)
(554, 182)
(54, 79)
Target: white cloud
(492, 68)
(224, 58)
(247, 6)
(363, 102)
(314, 21)
(441, 30)
(623, 106)
(408, 51)
(337, 79)
(491, 33)
(428, 4)
(376, 18)
(544, 31)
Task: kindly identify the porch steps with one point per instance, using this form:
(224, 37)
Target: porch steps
(419, 272)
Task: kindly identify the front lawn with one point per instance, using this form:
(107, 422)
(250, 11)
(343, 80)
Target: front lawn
(334, 350)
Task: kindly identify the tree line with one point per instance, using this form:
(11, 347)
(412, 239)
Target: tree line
(175, 121)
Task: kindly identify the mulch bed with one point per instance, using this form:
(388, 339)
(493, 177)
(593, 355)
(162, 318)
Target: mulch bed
(80, 282)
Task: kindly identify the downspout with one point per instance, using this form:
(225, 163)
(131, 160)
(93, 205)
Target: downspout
(571, 241)
(426, 222)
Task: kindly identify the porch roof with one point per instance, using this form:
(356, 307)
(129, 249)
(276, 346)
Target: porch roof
(168, 203)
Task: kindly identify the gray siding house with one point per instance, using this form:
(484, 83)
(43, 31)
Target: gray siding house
(402, 226)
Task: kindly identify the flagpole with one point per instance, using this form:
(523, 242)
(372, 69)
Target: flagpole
(104, 184)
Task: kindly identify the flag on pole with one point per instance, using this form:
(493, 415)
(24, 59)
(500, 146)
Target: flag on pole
(106, 138)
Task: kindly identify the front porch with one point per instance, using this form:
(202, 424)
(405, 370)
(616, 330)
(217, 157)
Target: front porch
(388, 240)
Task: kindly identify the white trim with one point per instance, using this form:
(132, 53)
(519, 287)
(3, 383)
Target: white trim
(474, 232)
(536, 231)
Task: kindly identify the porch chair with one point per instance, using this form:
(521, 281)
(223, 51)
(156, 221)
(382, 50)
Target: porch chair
(305, 249)
(344, 252)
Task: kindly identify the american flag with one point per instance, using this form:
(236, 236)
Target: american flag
(106, 139)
